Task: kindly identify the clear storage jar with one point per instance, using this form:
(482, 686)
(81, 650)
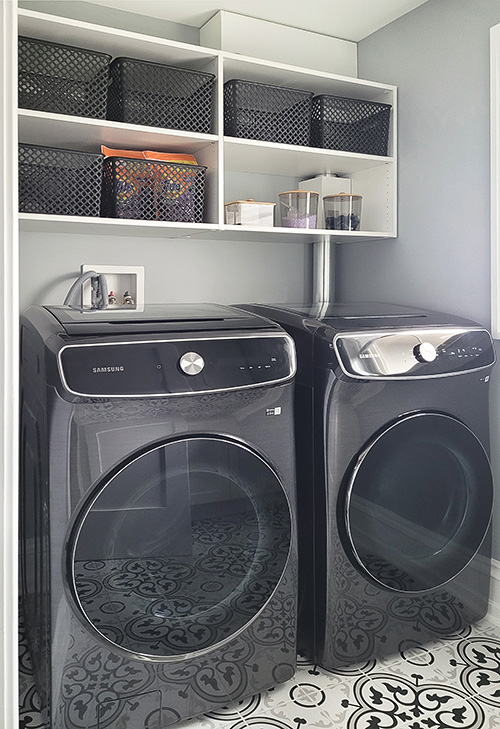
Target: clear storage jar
(342, 211)
(249, 212)
(299, 208)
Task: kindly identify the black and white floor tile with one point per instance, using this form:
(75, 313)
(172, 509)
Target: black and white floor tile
(31, 714)
(454, 683)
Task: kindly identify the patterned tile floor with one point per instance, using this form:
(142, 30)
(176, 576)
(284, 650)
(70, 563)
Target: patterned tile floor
(452, 683)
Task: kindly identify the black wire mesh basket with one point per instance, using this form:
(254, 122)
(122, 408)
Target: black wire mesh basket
(268, 113)
(142, 92)
(62, 79)
(59, 181)
(147, 190)
(350, 125)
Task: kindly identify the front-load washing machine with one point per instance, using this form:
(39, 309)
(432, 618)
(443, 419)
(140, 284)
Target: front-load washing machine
(394, 483)
(158, 530)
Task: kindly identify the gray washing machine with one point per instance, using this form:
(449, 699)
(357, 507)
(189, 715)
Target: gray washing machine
(158, 565)
(394, 483)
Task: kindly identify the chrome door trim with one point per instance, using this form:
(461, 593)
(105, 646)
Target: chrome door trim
(72, 536)
(349, 488)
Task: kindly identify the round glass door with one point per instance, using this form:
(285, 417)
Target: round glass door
(418, 502)
(180, 548)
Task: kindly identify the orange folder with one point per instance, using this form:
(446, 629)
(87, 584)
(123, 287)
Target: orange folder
(184, 159)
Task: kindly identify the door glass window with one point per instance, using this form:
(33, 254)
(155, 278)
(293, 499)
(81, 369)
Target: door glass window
(418, 502)
(181, 548)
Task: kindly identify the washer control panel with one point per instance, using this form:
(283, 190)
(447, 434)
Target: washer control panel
(414, 353)
(176, 366)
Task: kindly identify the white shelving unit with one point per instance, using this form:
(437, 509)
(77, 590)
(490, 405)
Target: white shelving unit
(283, 165)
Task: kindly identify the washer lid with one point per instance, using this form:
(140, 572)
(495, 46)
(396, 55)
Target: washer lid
(326, 318)
(157, 318)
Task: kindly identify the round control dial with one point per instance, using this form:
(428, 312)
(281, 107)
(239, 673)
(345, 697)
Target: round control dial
(425, 352)
(191, 363)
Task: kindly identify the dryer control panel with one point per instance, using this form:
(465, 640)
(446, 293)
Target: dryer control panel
(413, 352)
(176, 366)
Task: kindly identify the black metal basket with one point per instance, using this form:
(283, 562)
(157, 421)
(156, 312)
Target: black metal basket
(62, 79)
(150, 190)
(350, 125)
(59, 181)
(156, 95)
(268, 113)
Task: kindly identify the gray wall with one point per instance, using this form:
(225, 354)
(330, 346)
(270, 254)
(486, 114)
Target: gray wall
(183, 270)
(438, 56)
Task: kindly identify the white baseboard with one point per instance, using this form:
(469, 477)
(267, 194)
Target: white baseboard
(494, 605)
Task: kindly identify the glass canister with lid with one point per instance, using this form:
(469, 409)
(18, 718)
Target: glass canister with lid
(299, 208)
(342, 211)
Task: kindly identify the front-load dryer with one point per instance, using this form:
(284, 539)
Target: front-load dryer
(394, 482)
(158, 530)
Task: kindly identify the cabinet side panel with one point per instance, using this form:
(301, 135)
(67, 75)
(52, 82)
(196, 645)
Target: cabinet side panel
(376, 185)
(8, 366)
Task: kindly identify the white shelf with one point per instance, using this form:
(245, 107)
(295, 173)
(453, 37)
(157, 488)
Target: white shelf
(319, 82)
(74, 224)
(87, 135)
(293, 161)
(247, 233)
(66, 224)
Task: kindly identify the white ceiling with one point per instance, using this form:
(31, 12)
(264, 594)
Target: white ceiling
(349, 19)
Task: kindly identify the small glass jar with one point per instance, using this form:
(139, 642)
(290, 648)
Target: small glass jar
(342, 211)
(299, 208)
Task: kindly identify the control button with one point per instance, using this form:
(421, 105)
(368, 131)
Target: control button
(191, 363)
(425, 352)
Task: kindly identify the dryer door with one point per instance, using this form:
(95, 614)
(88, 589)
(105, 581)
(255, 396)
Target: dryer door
(180, 547)
(417, 503)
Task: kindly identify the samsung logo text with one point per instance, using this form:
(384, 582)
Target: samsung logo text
(118, 368)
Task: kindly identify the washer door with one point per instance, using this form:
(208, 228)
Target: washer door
(417, 503)
(180, 547)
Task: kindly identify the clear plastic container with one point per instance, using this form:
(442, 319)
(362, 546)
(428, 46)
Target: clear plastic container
(342, 211)
(299, 208)
(249, 212)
